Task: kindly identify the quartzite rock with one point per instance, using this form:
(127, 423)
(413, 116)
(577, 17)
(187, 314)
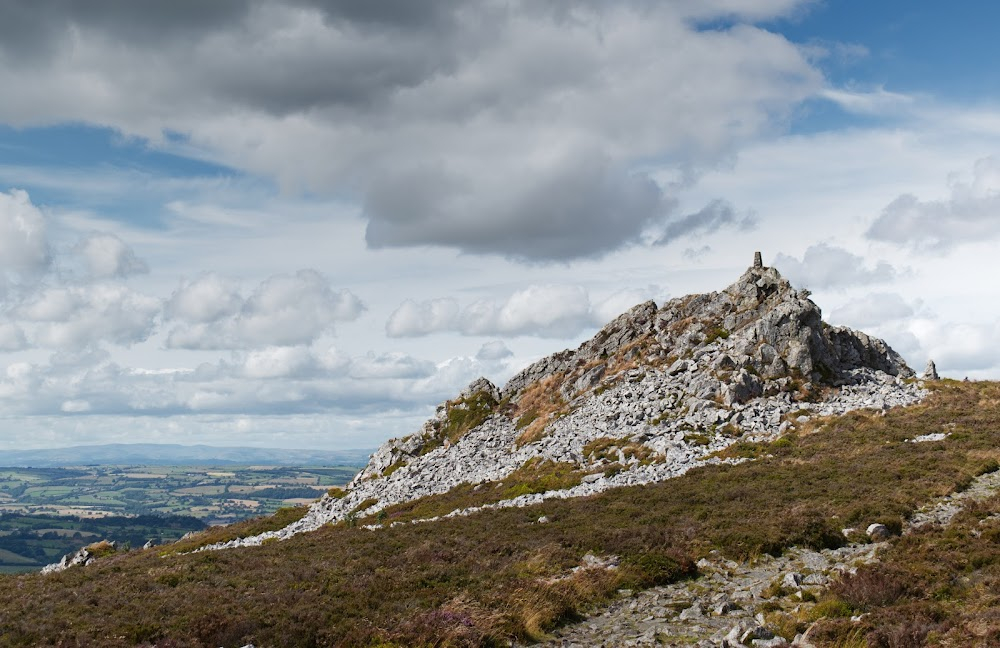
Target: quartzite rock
(674, 384)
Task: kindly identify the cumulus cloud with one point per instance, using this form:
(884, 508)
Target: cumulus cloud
(546, 310)
(390, 365)
(284, 310)
(106, 256)
(512, 128)
(968, 214)
(208, 298)
(711, 218)
(412, 319)
(549, 310)
(24, 247)
(272, 381)
(828, 266)
(279, 362)
(79, 316)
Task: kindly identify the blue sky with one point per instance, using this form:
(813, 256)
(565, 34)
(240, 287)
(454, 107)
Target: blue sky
(304, 224)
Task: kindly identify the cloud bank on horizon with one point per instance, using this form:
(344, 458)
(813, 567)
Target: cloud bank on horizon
(304, 223)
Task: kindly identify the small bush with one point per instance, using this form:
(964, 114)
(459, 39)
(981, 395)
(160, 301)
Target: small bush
(871, 586)
(717, 333)
(101, 549)
(658, 567)
(366, 504)
(393, 467)
(990, 466)
(830, 607)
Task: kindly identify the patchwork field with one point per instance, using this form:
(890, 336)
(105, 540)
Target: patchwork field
(48, 512)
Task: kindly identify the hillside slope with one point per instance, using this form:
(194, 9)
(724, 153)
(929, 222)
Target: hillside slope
(706, 443)
(518, 573)
(656, 392)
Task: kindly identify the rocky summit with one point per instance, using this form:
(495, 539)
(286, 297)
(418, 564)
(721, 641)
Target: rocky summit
(658, 391)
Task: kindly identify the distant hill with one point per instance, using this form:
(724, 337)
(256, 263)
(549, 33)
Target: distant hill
(165, 454)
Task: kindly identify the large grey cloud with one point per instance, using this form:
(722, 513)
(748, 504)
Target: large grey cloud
(969, 214)
(580, 206)
(515, 128)
(711, 218)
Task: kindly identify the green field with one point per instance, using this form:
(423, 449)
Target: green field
(48, 512)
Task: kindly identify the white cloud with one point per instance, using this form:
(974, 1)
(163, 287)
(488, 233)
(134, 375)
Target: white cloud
(208, 298)
(284, 310)
(24, 247)
(827, 266)
(75, 406)
(959, 348)
(107, 256)
(872, 102)
(548, 310)
(413, 319)
(279, 362)
(79, 316)
(968, 215)
(275, 381)
(390, 365)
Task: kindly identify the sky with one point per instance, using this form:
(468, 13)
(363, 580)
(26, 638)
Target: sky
(305, 223)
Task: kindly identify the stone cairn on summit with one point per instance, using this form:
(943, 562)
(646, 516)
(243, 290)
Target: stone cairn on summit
(656, 392)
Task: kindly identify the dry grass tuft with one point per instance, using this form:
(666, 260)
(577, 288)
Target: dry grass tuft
(537, 406)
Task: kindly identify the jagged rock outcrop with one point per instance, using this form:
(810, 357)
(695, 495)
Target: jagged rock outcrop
(625, 330)
(930, 372)
(654, 393)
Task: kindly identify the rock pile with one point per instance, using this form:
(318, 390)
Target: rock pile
(85, 556)
(656, 392)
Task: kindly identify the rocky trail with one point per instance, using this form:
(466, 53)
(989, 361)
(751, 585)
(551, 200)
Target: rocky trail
(734, 603)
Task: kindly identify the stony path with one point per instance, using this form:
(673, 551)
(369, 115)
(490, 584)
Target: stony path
(725, 605)
(944, 509)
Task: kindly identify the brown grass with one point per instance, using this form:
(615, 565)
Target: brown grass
(490, 578)
(536, 407)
